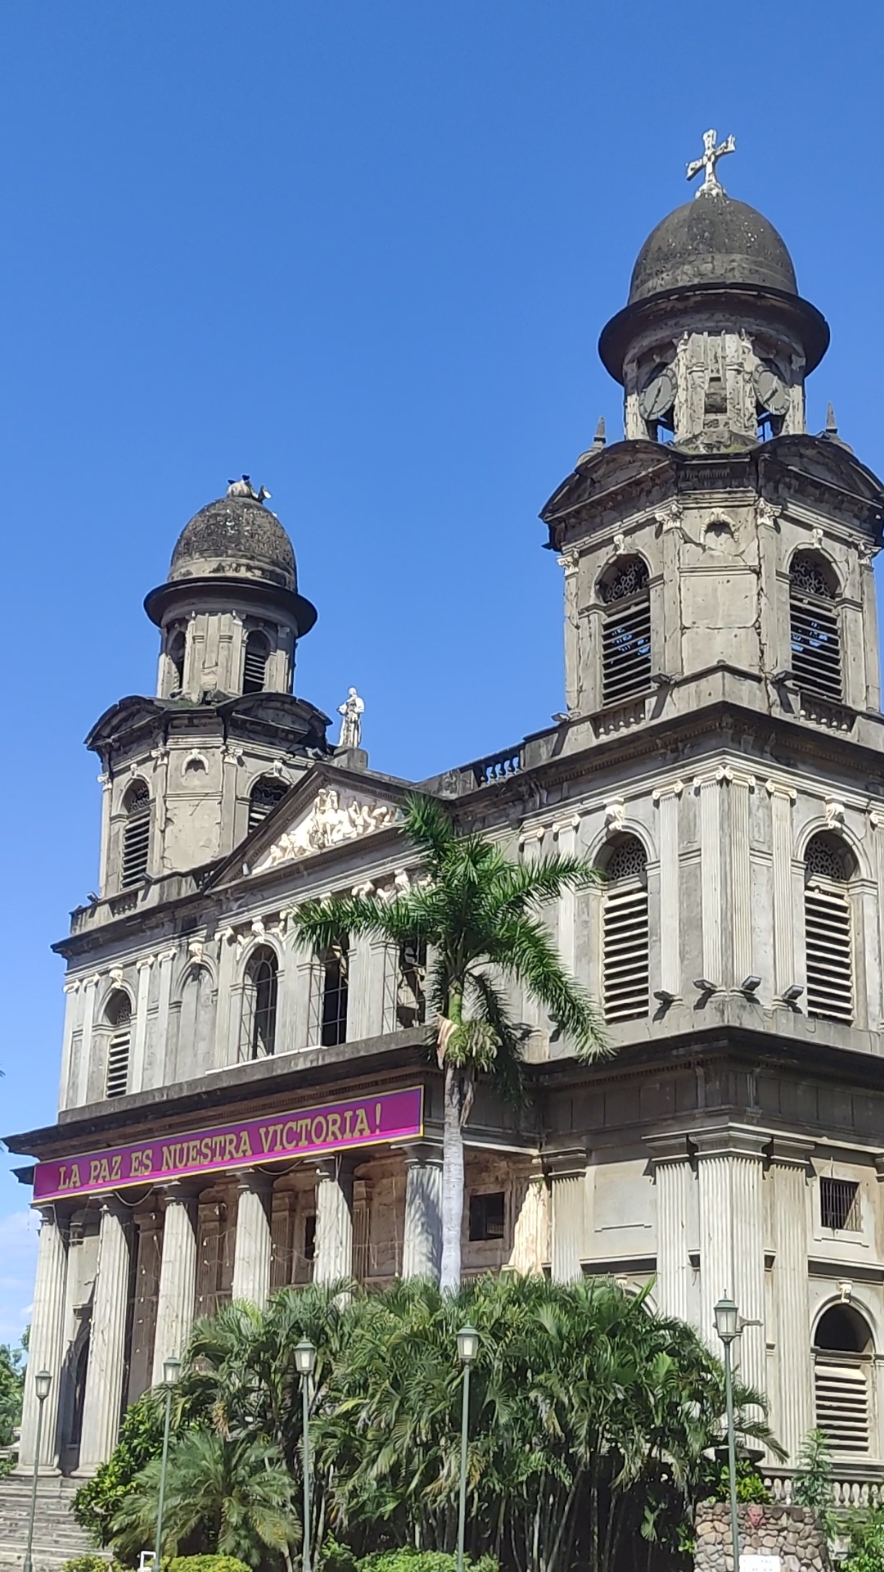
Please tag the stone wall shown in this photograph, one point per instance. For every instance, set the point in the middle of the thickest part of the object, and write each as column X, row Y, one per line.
column 791, row 1533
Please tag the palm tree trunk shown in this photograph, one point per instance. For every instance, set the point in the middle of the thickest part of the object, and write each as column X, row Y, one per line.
column 452, row 1179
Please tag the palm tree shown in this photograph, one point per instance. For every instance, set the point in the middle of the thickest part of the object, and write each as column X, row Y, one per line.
column 477, row 916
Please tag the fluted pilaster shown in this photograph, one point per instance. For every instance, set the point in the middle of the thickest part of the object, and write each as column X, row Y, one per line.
column 674, row 1178
column 422, row 1243
column 252, row 1247
column 334, row 1220
column 792, row 1417
column 568, row 1216
column 729, row 1170
column 107, row 1340
column 177, row 1291
column 45, row 1350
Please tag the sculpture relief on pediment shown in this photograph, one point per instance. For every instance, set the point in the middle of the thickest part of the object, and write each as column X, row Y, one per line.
column 334, row 818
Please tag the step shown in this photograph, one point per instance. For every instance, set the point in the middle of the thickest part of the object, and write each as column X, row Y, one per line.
column 57, row 1536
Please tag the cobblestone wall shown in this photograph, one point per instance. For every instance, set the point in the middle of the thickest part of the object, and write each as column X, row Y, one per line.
column 792, row 1533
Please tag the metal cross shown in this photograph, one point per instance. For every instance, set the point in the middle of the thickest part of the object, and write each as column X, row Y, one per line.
column 711, row 155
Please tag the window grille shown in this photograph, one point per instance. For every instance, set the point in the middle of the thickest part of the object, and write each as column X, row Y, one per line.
column 828, row 930
column 176, row 660
column 625, row 972
column 333, row 1028
column 258, row 1040
column 119, row 1016
column 839, row 1204
column 487, row 1213
column 136, row 834
column 815, row 629
column 405, row 974
column 841, row 1390
column 254, row 668
column 626, row 632
column 266, row 793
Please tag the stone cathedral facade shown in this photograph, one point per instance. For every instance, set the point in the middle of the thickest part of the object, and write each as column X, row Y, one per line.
column 234, row 1115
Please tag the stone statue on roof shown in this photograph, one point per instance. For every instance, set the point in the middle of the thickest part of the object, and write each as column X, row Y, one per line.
column 352, row 711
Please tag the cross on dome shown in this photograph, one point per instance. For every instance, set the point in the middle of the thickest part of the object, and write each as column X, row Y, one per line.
column 711, row 155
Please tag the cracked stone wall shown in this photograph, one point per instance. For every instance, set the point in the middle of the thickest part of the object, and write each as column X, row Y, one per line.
column 790, row 1533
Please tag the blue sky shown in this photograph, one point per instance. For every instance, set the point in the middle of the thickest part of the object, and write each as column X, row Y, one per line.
column 362, row 251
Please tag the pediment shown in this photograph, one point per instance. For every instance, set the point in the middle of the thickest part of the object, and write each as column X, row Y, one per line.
column 606, row 470
column 830, row 463
column 338, row 813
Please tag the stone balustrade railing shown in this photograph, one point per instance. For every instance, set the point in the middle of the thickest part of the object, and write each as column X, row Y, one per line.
column 846, row 1493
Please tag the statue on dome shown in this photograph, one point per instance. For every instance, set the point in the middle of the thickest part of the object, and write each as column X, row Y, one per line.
column 244, row 488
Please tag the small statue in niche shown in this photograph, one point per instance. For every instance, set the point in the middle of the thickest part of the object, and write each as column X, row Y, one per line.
column 352, row 711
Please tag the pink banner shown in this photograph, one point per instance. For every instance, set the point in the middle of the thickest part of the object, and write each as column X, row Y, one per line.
column 331, row 1127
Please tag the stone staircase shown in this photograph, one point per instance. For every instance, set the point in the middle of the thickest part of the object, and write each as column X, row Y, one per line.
column 56, row 1535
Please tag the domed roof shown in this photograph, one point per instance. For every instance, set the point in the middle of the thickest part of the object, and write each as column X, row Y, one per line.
column 712, row 240
column 235, row 537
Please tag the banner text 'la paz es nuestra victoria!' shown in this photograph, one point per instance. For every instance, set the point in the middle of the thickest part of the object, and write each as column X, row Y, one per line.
column 364, row 1121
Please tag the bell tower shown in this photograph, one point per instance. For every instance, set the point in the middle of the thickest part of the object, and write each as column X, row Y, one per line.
column 188, row 773
column 719, row 553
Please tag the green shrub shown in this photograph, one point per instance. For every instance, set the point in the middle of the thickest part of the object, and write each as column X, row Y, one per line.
column 91, row 1564
column 866, row 1553
column 141, row 1438
column 406, row 1560
column 206, row 1564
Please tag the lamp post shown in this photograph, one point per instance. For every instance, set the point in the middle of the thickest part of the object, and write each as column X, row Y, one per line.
column 171, row 1372
column 727, row 1325
column 42, row 1383
column 305, row 1364
column 467, row 1349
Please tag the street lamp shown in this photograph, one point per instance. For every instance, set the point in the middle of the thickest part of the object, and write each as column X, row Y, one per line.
column 727, row 1325
column 467, row 1349
column 171, row 1372
column 42, row 1383
column 305, row 1364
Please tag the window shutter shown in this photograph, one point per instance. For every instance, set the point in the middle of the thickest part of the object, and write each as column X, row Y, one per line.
column 117, row 1074
column 626, row 631
column 829, row 941
column 254, row 663
column 266, row 793
column 842, row 1403
column 136, row 834
column 625, row 989
column 815, row 629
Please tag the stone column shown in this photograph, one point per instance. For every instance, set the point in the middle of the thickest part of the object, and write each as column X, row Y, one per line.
column 872, row 694
column 103, row 1403
column 89, row 986
column 422, row 1243
column 667, row 655
column 163, row 1066
column 741, row 875
column 365, row 998
column 530, row 1251
column 673, row 1177
column 252, row 1247
column 570, row 561
column 177, row 1290
column 788, row 1173
column 107, row 787
column 568, row 1208
column 708, row 788
column 565, row 833
column 334, row 1220
column 786, row 964
column 71, row 1012
column 139, row 1036
column 45, row 1352
column 729, row 1170
column 667, row 799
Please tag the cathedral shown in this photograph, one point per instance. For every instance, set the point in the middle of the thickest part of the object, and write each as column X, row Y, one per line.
column 235, row 1114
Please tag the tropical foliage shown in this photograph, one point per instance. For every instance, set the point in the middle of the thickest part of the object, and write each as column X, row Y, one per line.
column 477, row 916
column 12, row 1380
column 591, row 1421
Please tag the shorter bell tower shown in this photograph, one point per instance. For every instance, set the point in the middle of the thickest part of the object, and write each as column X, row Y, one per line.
column 188, row 773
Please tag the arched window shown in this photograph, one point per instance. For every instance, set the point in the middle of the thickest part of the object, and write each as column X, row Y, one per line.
column 828, row 927
column 175, row 652
column 136, row 833
column 118, row 1016
column 842, row 1359
column 333, row 1028
column 258, row 1039
column 254, row 668
column 626, row 629
column 815, row 630
column 267, row 791
column 625, row 977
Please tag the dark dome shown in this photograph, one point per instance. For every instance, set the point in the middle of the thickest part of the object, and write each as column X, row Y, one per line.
column 235, row 537
column 712, row 240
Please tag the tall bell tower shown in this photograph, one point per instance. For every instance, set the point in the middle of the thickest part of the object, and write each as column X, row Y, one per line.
column 187, row 773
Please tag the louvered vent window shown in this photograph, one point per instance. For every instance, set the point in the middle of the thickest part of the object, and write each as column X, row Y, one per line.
column 816, row 636
column 266, row 793
column 839, row 1203
column 119, row 1017
column 842, row 1362
column 255, row 663
column 828, row 926
column 626, row 631
column 259, row 1005
column 333, row 1028
column 625, row 979
column 136, row 834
